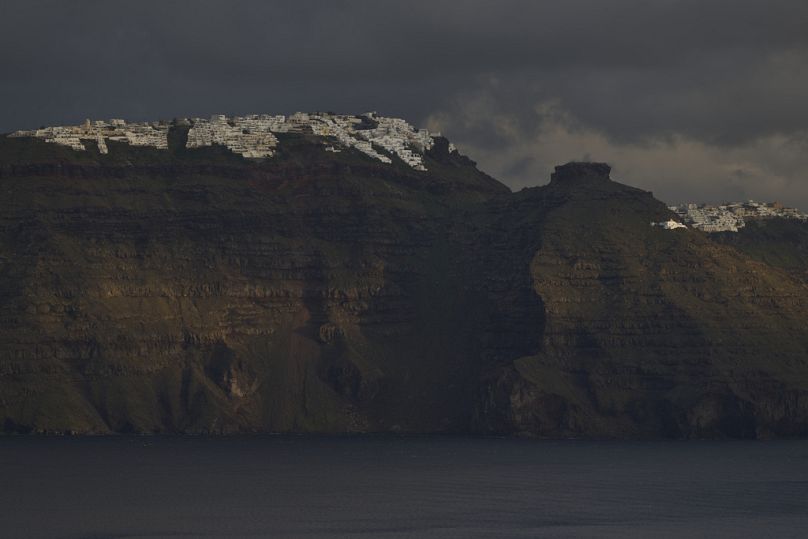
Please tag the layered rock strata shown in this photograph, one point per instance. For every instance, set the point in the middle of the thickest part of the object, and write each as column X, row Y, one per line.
column 191, row 290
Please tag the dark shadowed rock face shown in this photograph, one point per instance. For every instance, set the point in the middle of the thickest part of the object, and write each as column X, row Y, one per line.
column 648, row 332
column 315, row 292
column 203, row 293
column 581, row 171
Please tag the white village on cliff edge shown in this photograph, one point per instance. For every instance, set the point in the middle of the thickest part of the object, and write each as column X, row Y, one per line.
column 253, row 136
column 729, row 217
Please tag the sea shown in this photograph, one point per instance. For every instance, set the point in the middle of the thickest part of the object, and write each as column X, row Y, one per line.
column 399, row 487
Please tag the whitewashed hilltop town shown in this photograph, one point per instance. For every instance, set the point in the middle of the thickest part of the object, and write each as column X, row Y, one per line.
column 379, row 137
column 254, row 136
column 731, row 217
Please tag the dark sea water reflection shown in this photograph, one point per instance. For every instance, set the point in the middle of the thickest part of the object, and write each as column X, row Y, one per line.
column 391, row 487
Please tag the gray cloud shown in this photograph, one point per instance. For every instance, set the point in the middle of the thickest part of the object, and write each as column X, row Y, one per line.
column 713, row 91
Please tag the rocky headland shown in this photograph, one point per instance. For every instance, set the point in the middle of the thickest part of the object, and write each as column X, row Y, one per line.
column 191, row 288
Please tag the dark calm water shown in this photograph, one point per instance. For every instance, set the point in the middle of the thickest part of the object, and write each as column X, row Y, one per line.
column 319, row 487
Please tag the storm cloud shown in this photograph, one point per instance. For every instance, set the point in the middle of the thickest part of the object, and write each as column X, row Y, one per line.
column 695, row 100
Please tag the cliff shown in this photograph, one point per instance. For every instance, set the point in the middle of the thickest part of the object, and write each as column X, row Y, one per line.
column 648, row 332
column 192, row 290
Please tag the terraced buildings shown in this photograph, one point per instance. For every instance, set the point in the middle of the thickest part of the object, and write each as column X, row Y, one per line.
column 137, row 134
column 733, row 216
column 254, row 136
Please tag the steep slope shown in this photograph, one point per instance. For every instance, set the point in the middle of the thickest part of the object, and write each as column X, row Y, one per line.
column 782, row 243
column 196, row 291
column 647, row 331
column 193, row 290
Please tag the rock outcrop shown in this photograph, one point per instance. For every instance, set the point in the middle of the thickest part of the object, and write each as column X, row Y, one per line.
column 580, row 172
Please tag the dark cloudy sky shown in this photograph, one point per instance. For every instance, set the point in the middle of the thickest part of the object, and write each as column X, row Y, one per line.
column 693, row 99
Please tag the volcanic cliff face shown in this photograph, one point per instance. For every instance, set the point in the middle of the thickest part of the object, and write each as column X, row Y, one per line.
column 202, row 292
column 648, row 331
column 197, row 291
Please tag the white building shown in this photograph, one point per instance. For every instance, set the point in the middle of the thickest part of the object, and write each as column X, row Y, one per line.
column 670, row 224
column 733, row 216
column 254, row 136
